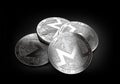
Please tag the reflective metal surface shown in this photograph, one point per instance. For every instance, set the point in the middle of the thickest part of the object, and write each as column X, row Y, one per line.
column 48, row 27
column 83, row 29
column 30, row 51
column 69, row 53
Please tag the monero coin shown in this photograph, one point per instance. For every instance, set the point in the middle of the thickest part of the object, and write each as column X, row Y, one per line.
column 30, row 51
column 83, row 29
column 48, row 27
column 70, row 53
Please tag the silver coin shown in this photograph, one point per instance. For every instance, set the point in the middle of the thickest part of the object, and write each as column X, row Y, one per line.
column 30, row 51
column 48, row 27
column 83, row 29
column 70, row 53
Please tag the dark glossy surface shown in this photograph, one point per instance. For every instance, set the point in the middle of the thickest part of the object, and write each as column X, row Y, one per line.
column 30, row 51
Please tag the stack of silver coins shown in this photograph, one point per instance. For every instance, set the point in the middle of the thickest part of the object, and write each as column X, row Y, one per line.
column 67, row 45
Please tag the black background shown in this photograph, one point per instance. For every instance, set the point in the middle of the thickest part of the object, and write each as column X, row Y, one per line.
column 20, row 20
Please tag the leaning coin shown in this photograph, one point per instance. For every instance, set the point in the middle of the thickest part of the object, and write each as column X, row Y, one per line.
column 30, row 51
column 70, row 53
column 83, row 29
column 48, row 27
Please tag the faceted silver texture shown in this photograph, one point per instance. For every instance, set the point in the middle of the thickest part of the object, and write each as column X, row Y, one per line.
column 30, row 51
column 48, row 27
column 69, row 53
column 70, row 49
column 83, row 29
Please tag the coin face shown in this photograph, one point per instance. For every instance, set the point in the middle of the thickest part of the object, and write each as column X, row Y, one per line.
column 30, row 51
column 69, row 53
column 48, row 27
column 83, row 29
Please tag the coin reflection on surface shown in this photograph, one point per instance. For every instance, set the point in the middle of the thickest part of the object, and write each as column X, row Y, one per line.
column 48, row 27
column 70, row 53
column 30, row 51
column 83, row 29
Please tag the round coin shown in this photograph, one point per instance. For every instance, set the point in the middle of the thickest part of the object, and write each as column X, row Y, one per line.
column 70, row 53
column 48, row 27
column 30, row 51
column 83, row 29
